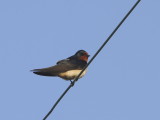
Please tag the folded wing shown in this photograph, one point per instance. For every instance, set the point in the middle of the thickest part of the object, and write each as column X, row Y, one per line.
column 62, row 66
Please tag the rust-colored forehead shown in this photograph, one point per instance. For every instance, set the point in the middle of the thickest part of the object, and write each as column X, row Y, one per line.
column 85, row 53
column 84, row 58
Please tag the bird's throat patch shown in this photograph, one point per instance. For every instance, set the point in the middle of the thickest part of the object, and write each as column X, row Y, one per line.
column 84, row 58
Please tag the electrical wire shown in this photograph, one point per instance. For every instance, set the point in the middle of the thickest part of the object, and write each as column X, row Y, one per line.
column 72, row 83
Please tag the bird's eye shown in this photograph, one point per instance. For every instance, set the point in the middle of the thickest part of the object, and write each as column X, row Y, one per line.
column 81, row 54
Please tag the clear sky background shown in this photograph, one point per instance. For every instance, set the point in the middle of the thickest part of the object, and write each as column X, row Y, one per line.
column 122, row 83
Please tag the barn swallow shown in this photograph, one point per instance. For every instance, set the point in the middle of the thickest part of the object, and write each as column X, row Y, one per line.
column 67, row 69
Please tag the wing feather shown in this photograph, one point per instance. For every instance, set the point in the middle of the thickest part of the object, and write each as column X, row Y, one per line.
column 62, row 66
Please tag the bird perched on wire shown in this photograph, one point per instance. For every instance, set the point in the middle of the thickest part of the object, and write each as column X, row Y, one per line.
column 67, row 69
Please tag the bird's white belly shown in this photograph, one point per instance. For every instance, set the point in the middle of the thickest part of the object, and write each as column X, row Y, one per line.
column 71, row 74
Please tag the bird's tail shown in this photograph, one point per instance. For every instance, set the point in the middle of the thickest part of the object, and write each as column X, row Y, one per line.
column 43, row 72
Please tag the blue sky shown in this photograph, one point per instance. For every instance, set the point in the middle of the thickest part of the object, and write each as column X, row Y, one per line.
column 122, row 83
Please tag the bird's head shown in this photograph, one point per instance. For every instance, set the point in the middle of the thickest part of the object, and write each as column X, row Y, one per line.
column 82, row 55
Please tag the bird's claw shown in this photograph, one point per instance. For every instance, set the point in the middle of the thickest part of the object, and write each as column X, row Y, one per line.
column 72, row 83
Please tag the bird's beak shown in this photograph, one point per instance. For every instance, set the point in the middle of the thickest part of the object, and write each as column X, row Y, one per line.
column 87, row 55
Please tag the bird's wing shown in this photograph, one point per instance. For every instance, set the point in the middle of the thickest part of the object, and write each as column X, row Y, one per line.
column 62, row 66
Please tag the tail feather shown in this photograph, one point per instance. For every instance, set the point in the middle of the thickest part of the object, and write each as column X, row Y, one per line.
column 43, row 72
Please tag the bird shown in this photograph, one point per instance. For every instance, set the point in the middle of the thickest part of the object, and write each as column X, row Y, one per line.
column 67, row 69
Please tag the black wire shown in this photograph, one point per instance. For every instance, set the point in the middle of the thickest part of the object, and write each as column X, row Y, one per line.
column 57, row 101
column 72, row 83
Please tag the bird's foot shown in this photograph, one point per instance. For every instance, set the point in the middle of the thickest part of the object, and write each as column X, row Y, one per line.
column 72, row 82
